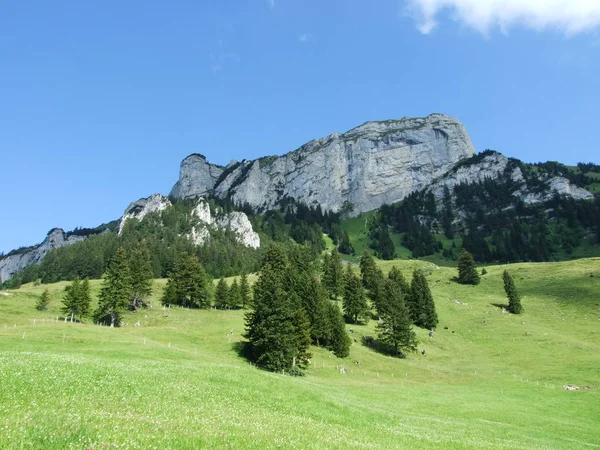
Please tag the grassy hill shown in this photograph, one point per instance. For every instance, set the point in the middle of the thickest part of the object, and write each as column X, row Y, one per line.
column 487, row 379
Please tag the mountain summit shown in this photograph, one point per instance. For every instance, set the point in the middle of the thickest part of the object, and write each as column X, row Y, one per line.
column 373, row 164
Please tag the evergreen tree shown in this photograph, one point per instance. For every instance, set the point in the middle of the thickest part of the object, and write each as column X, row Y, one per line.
column 85, row 298
column 235, row 295
column 277, row 328
column 466, row 269
column 514, row 300
column 316, row 307
column 396, row 276
column 244, row 290
column 140, row 267
column 222, row 295
column 368, row 271
column 333, row 274
column 345, row 246
column 354, row 301
column 421, row 306
column 187, row 285
column 385, row 248
column 339, row 342
column 43, row 301
column 115, row 293
column 394, row 328
column 72, row 298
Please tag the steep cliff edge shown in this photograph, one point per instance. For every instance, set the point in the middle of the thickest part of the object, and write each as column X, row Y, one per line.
column 370, row 165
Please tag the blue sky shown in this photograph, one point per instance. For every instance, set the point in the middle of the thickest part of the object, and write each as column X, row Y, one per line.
column 100, row 101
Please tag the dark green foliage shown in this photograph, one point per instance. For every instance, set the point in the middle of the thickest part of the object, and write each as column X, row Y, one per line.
column 345, row 246
column 354, row 302
column 421, row 305
column 43, row 302
column 222, row 295
column 380, row 240
column 368, row 271
column 141, row 273
column 115, row 293
column 76, row 300
column 333, row 274
column 277, row 327
column 235, row 295
column 514, row 300
column 188, row 284
column 394, row 328
column 339, row 341
column 483, row 271
column 466, row 269
column 244, row 290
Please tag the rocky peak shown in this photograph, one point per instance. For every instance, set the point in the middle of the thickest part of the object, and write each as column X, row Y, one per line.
column 142, row 207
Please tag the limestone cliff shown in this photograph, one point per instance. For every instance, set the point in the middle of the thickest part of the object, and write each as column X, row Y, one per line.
column 373, row 164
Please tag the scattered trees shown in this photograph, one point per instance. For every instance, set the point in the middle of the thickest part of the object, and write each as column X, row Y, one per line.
column 140, row 268
column 43, row 302
column 467, row 274
column 422, row 307
column 394, row 328
column 76, row 300
column 116, row 292
column 514, row 300
column 222, row 295
column 235, row 295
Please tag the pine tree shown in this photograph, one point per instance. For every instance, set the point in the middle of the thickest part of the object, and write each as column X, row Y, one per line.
column 339, row 341
column 466, row 269
column 354, row 302
column 385, row 248
column 244, row 290
column 85, row 298
column 115, row 293
column 140, row 266
column 235, row 295
column 514, row 300
column 316, row 307
column 43, row 301
column 345, row 245
column 396, row 276
column 277, row 327
column 394, row 328
column 421, row 306
column 333, row 274
column 71, row 299
column 368, row 271
column 187, row 285
column 222, row 295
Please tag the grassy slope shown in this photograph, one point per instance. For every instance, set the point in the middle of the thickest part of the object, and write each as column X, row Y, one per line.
column 490, row 380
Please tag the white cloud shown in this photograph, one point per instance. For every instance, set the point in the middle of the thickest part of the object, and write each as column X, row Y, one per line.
column 569, row 16
column 271, row 3
column 304, row 37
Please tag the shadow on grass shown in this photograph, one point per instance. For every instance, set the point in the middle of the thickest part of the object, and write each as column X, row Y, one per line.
column 242, row 349
column 380, row 347
column 499, row 305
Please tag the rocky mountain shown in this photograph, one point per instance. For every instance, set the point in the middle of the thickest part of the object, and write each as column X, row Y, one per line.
column 19, row 259
column 366, row 167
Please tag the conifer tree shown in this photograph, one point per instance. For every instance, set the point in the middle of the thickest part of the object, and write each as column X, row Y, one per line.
column 244, row 290
column 222, row 294
column 396, row 276
column 85, row 298
column 187, row 284
column 394, row 328
column 421, row 305
column 354, row 302
column 71, row 299
column 140, row 266
column 467, row 274
column 333, row 274
column 368, row 271
column 339, row 341
column 316, row 307
column 43, row 302
column 345, row 244
column 235, row 295
column 514, row 300
column 385, row 247
column 277, row 327
column 115, row 293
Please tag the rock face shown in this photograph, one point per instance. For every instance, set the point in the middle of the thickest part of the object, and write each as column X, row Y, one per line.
column 237, row 222
column 492, row 166
column 373, row 164
column 56, row 238
column 141, row 208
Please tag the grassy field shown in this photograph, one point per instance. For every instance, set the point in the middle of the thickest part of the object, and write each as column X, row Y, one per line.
column 487, row 380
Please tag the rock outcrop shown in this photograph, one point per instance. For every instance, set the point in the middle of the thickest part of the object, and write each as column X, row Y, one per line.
column 494, row 165
column 373, row 164
column 12, row 263
column 141, row 208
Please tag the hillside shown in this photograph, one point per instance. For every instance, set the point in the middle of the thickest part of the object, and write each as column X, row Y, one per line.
column 487, row 380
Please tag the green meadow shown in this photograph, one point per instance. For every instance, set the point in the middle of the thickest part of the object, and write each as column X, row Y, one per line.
column 488, row 379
